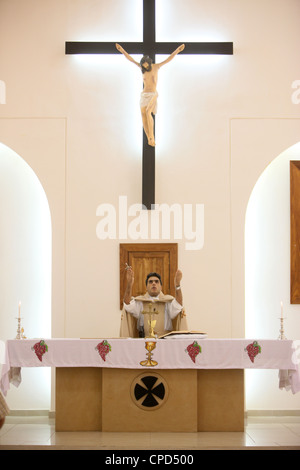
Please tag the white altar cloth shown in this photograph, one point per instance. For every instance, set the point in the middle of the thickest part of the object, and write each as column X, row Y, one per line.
column 187, row 353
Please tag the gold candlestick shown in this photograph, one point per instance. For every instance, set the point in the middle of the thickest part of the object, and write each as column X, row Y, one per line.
column 19, row 328
column 20, row 331
column 281, row 331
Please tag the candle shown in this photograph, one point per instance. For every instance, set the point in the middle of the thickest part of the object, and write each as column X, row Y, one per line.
column 281, row 303
column 19, row 309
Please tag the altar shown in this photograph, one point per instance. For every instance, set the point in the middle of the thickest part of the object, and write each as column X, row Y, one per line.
column 176, row 385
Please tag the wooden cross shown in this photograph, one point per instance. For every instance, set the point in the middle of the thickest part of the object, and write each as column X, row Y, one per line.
column 149, row 47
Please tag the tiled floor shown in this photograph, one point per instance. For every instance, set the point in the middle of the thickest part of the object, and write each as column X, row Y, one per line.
column 260, row 433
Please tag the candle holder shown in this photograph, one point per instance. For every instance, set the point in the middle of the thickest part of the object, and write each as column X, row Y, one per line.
column 281, row 331
column 20, row 330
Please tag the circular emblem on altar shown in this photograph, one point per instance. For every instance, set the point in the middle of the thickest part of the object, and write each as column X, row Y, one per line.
column 149, row 391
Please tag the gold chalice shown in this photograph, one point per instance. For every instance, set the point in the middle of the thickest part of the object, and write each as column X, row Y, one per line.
column 149, row 345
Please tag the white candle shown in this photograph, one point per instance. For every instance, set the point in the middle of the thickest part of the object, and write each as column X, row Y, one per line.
column 19, row 309
column 281, row 303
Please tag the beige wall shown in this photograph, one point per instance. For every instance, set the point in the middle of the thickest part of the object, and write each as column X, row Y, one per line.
column 220, row 121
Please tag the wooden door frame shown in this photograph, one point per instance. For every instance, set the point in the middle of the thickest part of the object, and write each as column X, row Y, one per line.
column 295, row 231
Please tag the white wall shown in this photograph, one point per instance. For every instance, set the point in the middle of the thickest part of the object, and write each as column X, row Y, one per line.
column 25, row 275
column 267, row 251
column 267, row 276
column 220, row 121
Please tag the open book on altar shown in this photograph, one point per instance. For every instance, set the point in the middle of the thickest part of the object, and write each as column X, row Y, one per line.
column 183, row 334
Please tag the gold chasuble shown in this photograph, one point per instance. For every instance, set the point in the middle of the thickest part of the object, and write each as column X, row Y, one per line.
column 129, row 322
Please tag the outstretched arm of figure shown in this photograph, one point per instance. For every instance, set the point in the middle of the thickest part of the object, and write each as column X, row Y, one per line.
column 179, row 49
column 120, row 49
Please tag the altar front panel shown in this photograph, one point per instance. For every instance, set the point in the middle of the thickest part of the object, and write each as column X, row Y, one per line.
column 220, row 400
column 78, row 399
column 185, row 400
column 172, row 410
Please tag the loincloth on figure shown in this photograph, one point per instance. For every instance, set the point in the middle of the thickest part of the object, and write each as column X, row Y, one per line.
column 146, row 97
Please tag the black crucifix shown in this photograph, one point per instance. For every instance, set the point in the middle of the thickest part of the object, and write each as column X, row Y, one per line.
column 149, row 47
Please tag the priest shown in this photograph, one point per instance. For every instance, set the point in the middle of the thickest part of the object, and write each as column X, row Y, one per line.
column 169, row 312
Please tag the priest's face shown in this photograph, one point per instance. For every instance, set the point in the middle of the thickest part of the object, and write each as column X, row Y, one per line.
column 153, row 286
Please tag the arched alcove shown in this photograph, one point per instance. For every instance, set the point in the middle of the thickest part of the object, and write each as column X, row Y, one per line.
column 25, row 274
column 267, row 275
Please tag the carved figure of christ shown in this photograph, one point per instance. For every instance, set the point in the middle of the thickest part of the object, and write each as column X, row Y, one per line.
column 149, row 94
